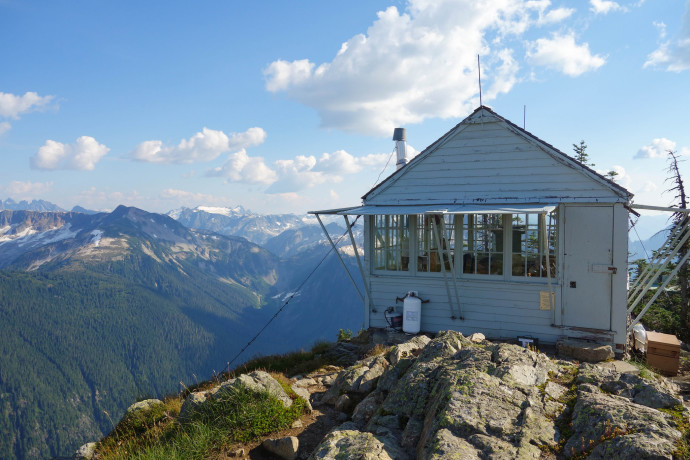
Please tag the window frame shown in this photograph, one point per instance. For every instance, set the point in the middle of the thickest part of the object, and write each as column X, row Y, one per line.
column 459, row 250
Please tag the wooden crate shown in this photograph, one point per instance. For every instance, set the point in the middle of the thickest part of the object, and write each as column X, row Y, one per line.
column 663, row 352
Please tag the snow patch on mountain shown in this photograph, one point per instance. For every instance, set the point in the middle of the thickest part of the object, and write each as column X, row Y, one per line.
column 97, row 235
column 236, row 211
column 30, row 235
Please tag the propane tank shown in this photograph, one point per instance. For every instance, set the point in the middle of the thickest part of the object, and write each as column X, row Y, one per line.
column 412, row 314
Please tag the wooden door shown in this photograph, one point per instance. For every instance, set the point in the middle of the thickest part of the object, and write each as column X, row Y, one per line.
column 588, row 252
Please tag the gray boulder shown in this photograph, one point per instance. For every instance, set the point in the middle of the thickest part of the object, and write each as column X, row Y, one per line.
column 86, row 452
column 285, row 448
column 302, row 393
column 591, row 353
column 348, row 442
column 145, row 404
column 190, row 405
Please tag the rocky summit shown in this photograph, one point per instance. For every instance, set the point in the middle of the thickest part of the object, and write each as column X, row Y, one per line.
column 451, row 398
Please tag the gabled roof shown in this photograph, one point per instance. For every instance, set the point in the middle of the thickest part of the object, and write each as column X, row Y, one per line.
column 485, row 114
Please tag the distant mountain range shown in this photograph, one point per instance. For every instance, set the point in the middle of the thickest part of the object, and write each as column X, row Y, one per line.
column 99, row 309
column 34, row 205
column 37, row 205
column 283, row 234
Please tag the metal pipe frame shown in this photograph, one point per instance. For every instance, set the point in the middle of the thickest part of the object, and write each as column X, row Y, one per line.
column 659, row 291
column 670, row 257
column 443, row 264
column 323, row 227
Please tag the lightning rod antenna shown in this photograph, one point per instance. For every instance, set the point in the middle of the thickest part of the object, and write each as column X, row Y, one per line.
column 479, row 72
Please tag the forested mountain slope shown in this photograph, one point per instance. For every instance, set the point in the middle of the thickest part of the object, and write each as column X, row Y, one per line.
column 99, row 310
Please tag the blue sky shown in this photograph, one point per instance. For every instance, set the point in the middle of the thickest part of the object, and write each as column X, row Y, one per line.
column 290, row 106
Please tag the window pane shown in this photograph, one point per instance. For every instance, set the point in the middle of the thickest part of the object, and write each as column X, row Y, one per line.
column 392, row 243
column 528, row 255
column 430, row 231
column 482, row 244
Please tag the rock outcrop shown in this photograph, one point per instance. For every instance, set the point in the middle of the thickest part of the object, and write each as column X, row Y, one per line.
column 452, row 397
column 257, row 381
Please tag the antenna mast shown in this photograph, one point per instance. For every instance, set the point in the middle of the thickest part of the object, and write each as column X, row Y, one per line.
column 479, row 71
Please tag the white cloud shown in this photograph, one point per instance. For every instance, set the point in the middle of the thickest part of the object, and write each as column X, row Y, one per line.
column 605, row 6
column 413, row 65
column 339, row 162
column 4, row 127
column 555, row 15
column 299, row 173
column 82, row 155
column 240, row 167
column 561, row 53
column 673, row 54
column 661, row 26
column 204, row 146
column 622, row 178
column 11, row 105
column 28, row 189
column 659, row 148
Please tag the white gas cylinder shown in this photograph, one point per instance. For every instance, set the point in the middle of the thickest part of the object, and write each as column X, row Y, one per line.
column 412, row 314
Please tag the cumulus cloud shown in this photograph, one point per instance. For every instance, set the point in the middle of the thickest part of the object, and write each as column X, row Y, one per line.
column 415, row 64
column 82, row 155
column 605, row 6
column 555, row 15
column 659, row 148
column 240, row 167
column 339, row 162
column 28, row 189
column 563, row 54
column 11, row 105
column 299, row 173
column 674, row 54
column 203, row 146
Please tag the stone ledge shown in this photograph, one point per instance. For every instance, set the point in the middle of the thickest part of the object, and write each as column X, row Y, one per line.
column 583, row 351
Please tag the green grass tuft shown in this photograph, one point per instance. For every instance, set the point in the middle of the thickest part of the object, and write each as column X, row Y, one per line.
column 238, row 416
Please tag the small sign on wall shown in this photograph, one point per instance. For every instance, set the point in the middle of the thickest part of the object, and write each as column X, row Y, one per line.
column 544, row 303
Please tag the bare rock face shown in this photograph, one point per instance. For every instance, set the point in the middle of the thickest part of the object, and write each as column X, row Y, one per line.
column 407, row 349
column 454, row 398
column 609, row 426
column 361, row 379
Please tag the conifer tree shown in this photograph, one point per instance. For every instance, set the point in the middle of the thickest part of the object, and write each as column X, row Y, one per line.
column 581, row 153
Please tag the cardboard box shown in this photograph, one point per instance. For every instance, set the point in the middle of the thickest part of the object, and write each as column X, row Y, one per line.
column 663, row 352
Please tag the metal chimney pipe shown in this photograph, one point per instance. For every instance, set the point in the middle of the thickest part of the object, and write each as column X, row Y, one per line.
column 400, row 147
